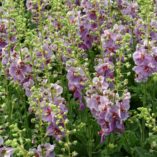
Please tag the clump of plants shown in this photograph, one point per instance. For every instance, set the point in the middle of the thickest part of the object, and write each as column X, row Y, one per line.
column 78, row 78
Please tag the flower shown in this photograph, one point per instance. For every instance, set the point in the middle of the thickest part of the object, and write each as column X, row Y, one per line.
column 6, row 151
column 145, row 63
column 76, row 80
column 88, row 19
column 52, row 106
column 18, row 70
column 105, row 68
column 44, row 150
column 55, row 131
column 109, row 109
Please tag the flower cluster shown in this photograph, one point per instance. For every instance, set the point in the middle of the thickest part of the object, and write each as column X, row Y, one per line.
column 111, row 39
column 44, row 150
column 146, row 49
column 146, row 62
column 76, row 81
column 48, row 103
column 107, row 106
column 44, row 55
column 17, row 69
column 146, row 36
column 106, row 102
column 128, row 8
column 37, row 9
column 89, row 21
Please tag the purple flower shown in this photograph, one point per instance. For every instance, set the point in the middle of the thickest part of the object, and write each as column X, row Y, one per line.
column 76, row 80
column 129, row 8
column 18, row 70
column 2, row 45
column 27, row 84
column 105, row 68
column 54, row 130
column 145, row 61
column 111, row 39
column 143, row 71
column 109, row 109
column 45, row 54
column 48, row 115
column 141, row 57
column 6, row 151
column 88, row 19
column 77, row 2
column 58, row 89
column 52, row 105
column 92, row 15
column 139, row 30
column 44, row 150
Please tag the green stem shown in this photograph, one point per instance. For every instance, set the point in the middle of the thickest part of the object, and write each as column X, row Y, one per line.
column 40, row 124
column 67, row 141
column 127, row 143
column 143, row 121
